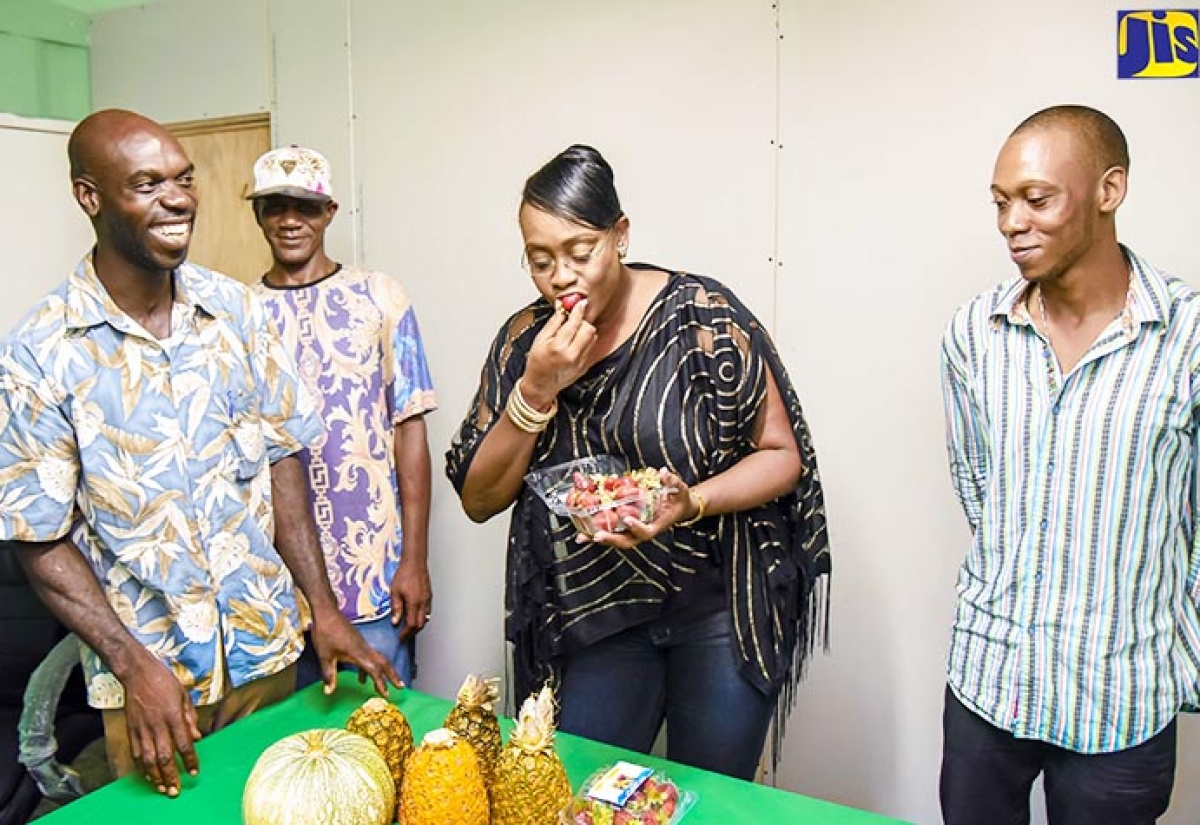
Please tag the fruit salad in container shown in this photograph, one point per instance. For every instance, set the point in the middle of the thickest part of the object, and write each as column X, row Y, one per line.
column 597, row 492
column 627, row 794
column 602, row 501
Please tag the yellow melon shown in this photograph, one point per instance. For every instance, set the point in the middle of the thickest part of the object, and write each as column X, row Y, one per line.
column 325, row 776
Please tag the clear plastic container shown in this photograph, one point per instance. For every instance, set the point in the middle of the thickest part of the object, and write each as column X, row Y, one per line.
column 553, row 483
column 599, row 493
column 654, row 800
column 610, row 516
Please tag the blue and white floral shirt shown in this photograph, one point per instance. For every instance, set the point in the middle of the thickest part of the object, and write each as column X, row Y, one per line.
column 155, row 456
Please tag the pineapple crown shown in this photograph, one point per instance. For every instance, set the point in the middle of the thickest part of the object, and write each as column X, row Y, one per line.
column 477, row 692
column 376, row 708
column 534, row 732
column 439, row 738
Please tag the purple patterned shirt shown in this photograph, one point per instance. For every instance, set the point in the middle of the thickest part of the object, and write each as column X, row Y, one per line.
column 355, row 338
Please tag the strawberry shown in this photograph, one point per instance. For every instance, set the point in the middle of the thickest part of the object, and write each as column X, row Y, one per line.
column 632, row 511
column 582, row 481
column 672, row 796
column 605, row 520
column 658, row 798
column 582, row 499
column 569, row 300
column 627, row 488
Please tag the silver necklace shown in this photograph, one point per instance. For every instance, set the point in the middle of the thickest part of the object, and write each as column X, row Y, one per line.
column 1045, row 320
column 1126, row 313
column 1051, row 355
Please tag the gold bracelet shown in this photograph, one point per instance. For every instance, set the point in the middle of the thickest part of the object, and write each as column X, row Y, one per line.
column 519, row 421
column 701, row 505
column 528, row 410
column 524, row 416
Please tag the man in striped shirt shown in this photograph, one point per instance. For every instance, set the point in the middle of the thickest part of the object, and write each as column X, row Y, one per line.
column 1072, row 397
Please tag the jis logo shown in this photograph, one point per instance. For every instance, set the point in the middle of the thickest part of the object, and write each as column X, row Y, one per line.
column 1158, row 43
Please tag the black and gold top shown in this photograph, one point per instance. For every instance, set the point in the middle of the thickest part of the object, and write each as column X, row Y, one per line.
column 682, row 392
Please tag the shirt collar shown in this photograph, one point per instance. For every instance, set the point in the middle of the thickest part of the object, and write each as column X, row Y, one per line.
column 89, row 304
column 1148, row 293
column 1148, row 289
column 1008, row 303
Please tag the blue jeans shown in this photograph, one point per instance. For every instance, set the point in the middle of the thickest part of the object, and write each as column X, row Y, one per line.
column 621, row 689
column 379, row 634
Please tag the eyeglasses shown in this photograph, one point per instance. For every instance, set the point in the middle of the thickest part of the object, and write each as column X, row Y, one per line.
column 544, row 265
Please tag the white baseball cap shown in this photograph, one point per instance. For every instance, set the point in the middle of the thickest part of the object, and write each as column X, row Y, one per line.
column 292, row 171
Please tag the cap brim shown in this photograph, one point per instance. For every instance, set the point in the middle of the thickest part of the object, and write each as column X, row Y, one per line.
column 289, row 192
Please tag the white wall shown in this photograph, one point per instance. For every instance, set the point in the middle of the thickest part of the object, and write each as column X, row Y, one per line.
column 42, row 230
column 313, row 106
column 887, row 118
column 177, row 60
column 892, row 115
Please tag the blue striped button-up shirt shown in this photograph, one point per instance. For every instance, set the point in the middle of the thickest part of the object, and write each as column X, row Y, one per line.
column 1078, row 615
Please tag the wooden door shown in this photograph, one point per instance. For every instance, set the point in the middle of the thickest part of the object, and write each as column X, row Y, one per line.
column 226, row 238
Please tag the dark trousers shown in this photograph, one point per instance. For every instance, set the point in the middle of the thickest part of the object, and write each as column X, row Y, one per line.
column 987, row 774
column 621, row 689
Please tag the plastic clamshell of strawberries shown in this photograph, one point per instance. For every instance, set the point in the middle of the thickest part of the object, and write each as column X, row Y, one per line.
column 552, row 484
column 659, row 801
column 609, row 517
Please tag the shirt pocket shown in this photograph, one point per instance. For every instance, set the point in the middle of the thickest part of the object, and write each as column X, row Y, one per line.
column 246, row 434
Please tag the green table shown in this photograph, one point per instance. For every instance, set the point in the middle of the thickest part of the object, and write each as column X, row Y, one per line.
column 215, row 796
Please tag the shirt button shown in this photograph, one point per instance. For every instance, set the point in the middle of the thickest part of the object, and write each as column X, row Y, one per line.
column 1038, row 577
column 1050, row 466
column 1045, row 524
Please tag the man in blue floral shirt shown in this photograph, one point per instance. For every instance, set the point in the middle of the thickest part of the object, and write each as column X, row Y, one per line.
column 149, row 418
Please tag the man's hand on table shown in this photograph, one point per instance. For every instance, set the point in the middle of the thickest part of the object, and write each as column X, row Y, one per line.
column 161, row 722
column 336, row 640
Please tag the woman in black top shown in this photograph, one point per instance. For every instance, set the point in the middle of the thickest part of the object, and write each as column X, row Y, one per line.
column 702, row 615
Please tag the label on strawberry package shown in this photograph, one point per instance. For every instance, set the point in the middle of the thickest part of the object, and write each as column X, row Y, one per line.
column 619, row 782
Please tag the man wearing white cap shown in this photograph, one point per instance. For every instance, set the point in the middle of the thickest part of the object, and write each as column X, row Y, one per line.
column 355, row 337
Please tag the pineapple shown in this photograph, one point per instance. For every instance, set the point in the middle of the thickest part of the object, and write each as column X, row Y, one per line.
column 474, row 720
column 442, row 783
column 531, row 786
column 385, row 725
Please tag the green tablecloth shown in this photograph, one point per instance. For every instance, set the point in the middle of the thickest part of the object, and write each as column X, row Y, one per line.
column 215, row 796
